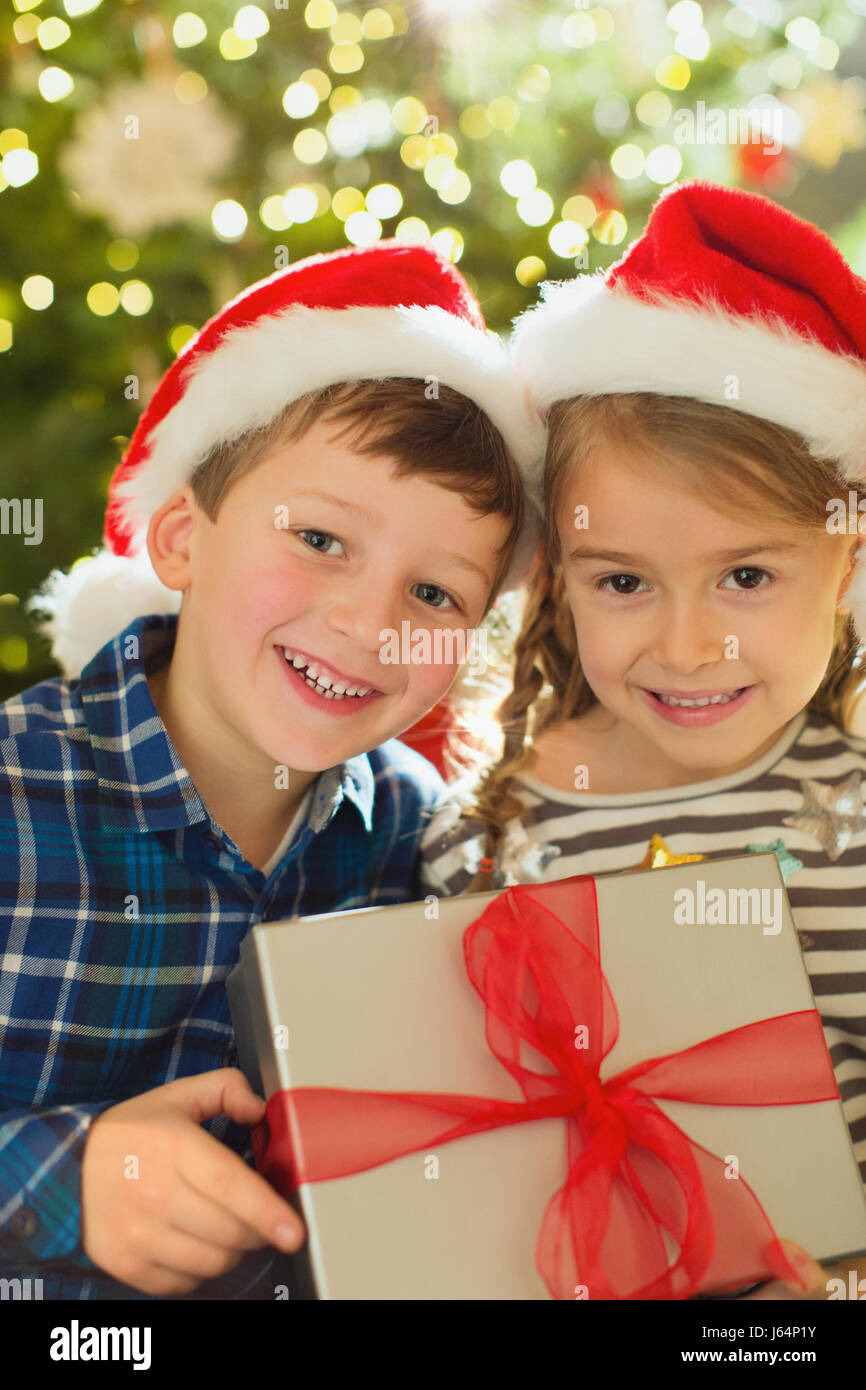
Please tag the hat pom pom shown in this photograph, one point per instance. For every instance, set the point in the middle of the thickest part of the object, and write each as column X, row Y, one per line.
column 100, row 596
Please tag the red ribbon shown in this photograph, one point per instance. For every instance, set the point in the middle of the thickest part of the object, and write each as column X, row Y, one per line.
column 645, row 1212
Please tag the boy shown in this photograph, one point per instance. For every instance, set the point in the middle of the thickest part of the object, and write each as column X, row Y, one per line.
column 330, row 458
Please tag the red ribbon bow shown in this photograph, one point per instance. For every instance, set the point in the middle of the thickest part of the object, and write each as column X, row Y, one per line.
column 645, row 1212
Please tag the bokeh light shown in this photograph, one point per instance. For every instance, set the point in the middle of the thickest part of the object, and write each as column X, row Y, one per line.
column 189, row 88
column 272, row 212
column 310, row 146
column 300, row 99
column 685, row 15
column 229, row 220
column 19, row 167
column 518, row 177
column 409, row 115
column 362, row 228
column 610, row 227
column 251, row 22
column 535, row 208
column 448, row 241
column 188, row 30
column 37, row 291
column 664, row 164
column 530, row 270
column 234, row 48
column 320, row 14
column 55, row 84
column 377, row 24
column 578, row 30
column 52, row 33
column 567, row 238
column 384, row 200
column 301, row 203
column 413, row 230
column 627, row 161
column 180, row 335
column 102, row 298
column 122, row 254
column 136, row 297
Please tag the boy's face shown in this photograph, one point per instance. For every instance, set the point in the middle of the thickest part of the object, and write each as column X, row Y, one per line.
column 318, row 555
column 674, row 601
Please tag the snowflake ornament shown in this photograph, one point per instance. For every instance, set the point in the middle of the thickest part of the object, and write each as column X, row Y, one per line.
column 142, row 159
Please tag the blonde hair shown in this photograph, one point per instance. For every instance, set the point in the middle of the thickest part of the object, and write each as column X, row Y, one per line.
column 726, row 457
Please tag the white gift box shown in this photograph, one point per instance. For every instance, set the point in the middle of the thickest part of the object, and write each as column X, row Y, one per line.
column 379, row 1000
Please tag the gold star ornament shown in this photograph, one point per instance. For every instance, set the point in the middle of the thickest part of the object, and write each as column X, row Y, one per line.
column 659, row 855
column 831, row 815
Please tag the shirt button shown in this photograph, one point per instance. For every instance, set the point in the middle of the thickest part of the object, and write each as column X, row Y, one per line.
column 229, row 1057
column 23, row 1223
column 213, row 841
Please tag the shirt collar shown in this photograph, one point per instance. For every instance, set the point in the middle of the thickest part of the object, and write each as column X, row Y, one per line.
column 141, row 781
column 352, row 780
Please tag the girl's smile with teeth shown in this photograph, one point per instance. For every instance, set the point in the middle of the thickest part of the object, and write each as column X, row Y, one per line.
column 696, row 701
column 698, row 710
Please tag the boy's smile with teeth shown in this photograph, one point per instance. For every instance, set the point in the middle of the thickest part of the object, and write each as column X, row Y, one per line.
column 324, row 679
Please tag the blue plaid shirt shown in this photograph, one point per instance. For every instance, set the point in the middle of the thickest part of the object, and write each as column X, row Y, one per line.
column 122, row 908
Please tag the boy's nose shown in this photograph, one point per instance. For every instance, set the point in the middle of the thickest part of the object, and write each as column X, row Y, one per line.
column 363, row 613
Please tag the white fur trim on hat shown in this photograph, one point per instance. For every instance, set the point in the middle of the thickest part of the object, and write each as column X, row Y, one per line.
column 95, row 601
column 587, row 339
column 254, row 372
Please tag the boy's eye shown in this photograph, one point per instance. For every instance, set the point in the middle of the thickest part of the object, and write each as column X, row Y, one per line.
column 319, row 540
column 432, row 594
column 620, row 584
column 748, row 577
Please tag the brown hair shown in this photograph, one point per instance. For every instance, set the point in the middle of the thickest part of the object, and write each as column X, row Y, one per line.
column 448, row 439
column 727, row 457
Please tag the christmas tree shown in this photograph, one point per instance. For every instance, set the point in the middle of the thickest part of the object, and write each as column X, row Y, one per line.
column 155, row 160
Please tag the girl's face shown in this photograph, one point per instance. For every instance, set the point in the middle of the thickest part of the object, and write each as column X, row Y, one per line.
column 701, row 634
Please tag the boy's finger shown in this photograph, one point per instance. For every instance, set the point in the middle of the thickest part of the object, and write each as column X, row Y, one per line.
column 810, row 1275
column 223, row 1091
column 180, row 1253
column 201, row 1216
column 218, row 1173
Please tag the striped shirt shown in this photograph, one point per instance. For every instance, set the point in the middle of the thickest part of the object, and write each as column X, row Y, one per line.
column 122, row 908
column 566, row 833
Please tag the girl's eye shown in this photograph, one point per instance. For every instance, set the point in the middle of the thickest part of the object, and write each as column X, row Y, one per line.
column 432, row 595
column 620, row 584
column 320, row 540
column 748, row 577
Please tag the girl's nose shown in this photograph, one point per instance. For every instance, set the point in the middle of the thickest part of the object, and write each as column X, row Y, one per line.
column 687, row 638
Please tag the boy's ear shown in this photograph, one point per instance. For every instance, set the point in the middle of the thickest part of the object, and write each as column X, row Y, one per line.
column 169, row 533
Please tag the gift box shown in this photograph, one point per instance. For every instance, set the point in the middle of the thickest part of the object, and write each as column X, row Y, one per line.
column 611, row 1087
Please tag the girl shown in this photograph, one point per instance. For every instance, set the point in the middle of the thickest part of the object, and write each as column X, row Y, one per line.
column 688, row 657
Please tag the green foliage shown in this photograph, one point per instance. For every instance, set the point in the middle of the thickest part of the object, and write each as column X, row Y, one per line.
column 65, row 416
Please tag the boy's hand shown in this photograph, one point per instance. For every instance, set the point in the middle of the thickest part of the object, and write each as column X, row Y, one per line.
column 814, row 1277
column 194, row 1207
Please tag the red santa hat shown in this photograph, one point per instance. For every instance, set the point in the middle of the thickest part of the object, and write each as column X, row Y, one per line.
column 726, row 298
column 362, row 313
